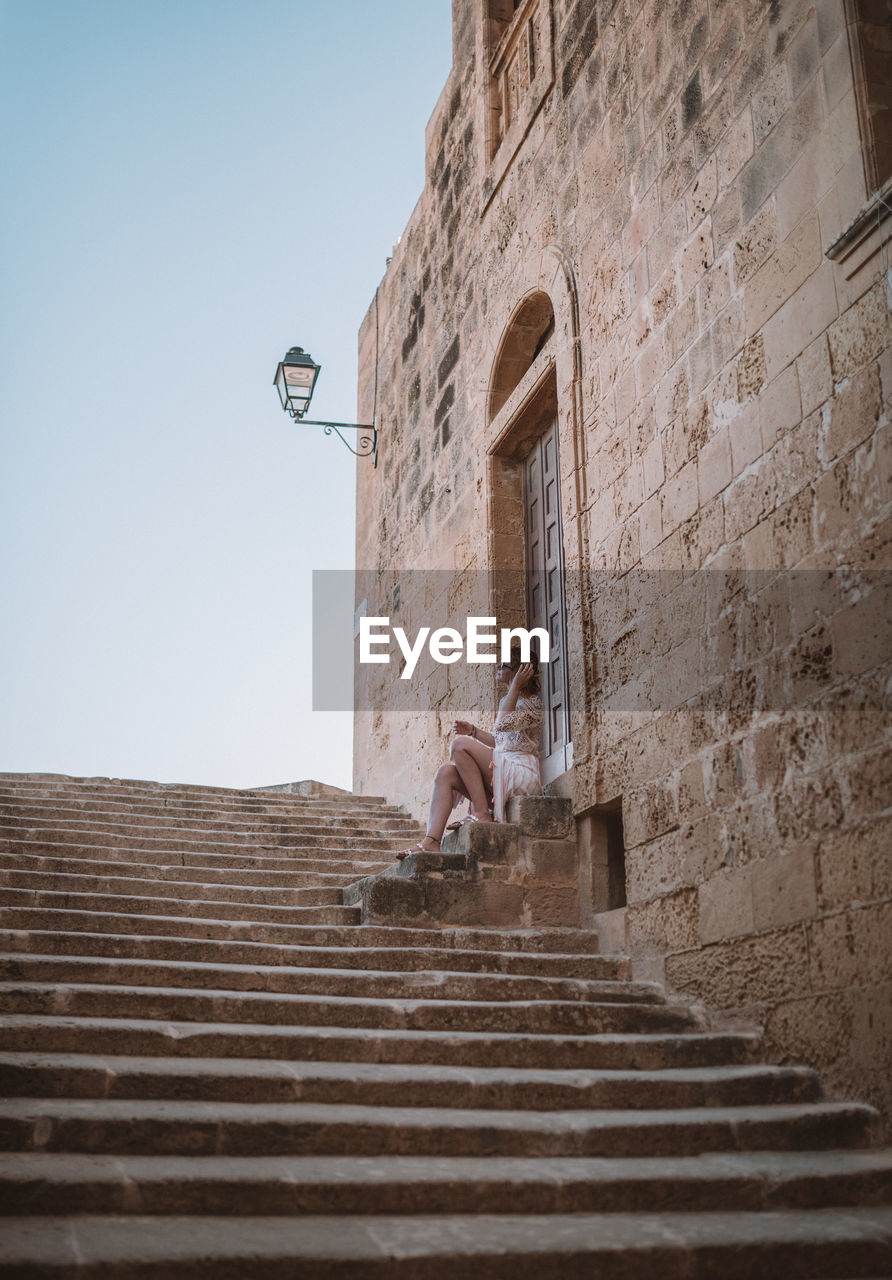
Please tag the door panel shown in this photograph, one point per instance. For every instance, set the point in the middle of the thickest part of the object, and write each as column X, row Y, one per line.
column 545, row 580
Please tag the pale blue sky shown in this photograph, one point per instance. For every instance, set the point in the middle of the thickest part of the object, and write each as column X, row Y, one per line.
column 191, row 188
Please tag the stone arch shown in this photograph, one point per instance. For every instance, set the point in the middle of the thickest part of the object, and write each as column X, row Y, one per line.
column 549, row 272
column 526, row 333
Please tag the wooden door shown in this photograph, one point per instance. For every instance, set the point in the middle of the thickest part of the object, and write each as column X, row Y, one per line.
column 546, row 605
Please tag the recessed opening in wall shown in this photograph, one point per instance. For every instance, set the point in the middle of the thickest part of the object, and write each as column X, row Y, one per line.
column 616, row 856
column 525, row 337
column 602, row 845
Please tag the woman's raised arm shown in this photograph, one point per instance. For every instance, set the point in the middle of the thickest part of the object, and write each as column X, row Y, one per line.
column 509, row 702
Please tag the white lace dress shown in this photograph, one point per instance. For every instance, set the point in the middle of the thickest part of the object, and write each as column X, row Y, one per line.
column 516, row 753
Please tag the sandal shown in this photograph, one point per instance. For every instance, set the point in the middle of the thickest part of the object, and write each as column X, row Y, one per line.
column 419, row 848
column 470, row 817
column 462, row 822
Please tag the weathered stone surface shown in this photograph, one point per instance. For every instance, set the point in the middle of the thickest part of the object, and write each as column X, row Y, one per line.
column 862, row 633
column 785, row 271
column 650, row 812
column 783, row 890
column 746, row 972
column 817, row 1028
column 550, row 818
column 815, row 375
column 751, row 369
column 551, row 905
column 490, row 841
column 667, row 923
column 550, row 860
column 726, row 905
column 854, row 866
column 860, row 334
column 853, row 415
column 655, row 869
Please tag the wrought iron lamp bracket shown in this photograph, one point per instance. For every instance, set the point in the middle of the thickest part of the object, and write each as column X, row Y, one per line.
column 367, row 446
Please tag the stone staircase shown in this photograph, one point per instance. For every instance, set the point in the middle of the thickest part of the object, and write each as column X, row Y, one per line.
column 211, row 1068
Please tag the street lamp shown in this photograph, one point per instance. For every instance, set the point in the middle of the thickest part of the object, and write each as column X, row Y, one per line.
column 295, row 379
column 295, row 382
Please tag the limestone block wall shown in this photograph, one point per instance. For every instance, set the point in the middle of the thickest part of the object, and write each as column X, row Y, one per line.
column 684, row 181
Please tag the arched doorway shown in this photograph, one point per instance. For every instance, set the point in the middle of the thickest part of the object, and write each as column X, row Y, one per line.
column 526, row 511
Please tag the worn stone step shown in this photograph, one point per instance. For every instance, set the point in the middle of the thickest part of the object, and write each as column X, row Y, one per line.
column 300, row 877
column 113, row 814
column 406, row 958
column 186, row 890
column 817, row 1244
column 151, row 832
column 82, row 787
column 546, row 1017
column 229, row 821
column 536, row 941
column 32, row 1183
column 152, row 1038
column 225, row 809
column 386, row 1084
column 168, row 1127
column 196, row 840
column 391, row 984
column 304, row 861
column 137, row 905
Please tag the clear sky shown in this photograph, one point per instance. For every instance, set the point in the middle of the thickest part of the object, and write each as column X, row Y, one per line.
column 190, row 188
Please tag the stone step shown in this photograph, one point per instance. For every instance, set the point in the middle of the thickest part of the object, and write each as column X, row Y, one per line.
column 134, row 1126
column 302, row 862
column 67, row 918
column 138, row 906
column 534, row 941
column 391, row 984
column 154, row 835
column 198, row 951
column 206, row 797
column 109, row 814
column 546, row 1017
column 386, row 1084
column 80, row 784
column 196, row 840
column 231, row 824
column 760, row 1181
column 312, row 895
column 141, row 871
column 232, row 805
column 169, row 1038
column 797, row 1244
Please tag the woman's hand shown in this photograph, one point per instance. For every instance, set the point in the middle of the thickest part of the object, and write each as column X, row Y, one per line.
column 522, row 676
column 463, row 727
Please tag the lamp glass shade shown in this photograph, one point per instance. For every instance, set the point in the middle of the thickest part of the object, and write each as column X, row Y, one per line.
column 295, row 380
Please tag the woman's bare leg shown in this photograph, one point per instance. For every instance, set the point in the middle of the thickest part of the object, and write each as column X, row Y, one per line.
column 472, row 759
column 471, row 775
column 446, row 781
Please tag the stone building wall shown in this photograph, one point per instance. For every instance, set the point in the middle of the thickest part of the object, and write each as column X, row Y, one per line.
column 684, row 185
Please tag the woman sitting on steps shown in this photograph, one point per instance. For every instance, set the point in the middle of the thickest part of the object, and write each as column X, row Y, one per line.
column 489, row 768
